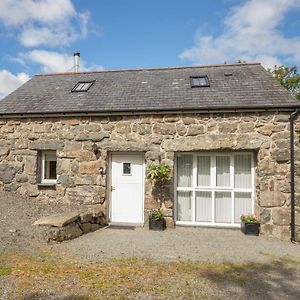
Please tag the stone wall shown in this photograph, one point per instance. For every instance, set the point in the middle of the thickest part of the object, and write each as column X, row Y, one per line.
column 83, row 174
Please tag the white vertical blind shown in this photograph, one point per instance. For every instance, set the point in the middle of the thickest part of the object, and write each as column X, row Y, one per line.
column 242, row 171
column 215, row 188
column 223, row 170
column 223, row 207
column 242, row 205
column 203, row 171
column 184, row 170
column 203, row 206
column 184, row 204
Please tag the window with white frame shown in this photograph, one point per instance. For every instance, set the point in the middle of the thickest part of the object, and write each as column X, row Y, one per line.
column 214, row 188
column 48, row 167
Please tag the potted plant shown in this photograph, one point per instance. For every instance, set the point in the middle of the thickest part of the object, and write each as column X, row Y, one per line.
column 250, row 224
column 156, row 220
column 159, row 173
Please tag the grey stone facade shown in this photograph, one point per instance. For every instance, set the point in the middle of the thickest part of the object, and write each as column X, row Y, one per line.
column 83, row 174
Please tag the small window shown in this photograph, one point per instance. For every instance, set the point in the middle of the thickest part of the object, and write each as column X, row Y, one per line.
column 126, row 168
column 82, row 86
column 48, row 167
column 199, row 81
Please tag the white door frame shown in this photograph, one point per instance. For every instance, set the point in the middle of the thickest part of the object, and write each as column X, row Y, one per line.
column 109, row 181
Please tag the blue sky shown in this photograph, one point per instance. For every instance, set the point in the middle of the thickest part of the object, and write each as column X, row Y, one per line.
column 40, row 35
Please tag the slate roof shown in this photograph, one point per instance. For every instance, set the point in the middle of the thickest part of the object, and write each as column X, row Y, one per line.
column 249, row 86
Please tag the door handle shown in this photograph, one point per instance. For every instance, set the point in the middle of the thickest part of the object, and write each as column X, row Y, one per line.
column 112, row 188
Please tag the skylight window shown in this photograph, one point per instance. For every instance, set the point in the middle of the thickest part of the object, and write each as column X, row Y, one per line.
column 82, row 86
column 199, row 81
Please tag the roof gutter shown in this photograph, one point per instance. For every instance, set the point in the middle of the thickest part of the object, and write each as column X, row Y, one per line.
column 147, row 112
column 293, row 117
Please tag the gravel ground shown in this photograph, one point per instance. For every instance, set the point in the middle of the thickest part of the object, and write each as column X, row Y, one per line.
column 215, row 245
column 17, row 215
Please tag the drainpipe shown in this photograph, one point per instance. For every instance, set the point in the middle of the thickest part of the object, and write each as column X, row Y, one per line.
column 293, row 117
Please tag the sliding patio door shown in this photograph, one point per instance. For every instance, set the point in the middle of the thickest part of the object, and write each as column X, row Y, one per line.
column 214, row 189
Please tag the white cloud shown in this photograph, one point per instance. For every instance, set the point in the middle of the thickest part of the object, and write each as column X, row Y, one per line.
column 9, row 82
column 44, row 22
column 251, row 33
column 51, row 61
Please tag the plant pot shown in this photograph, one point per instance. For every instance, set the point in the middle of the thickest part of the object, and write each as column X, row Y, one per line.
column 250, row 228
column 157, row 224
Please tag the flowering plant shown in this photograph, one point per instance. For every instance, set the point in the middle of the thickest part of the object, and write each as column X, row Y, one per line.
column 155, row 214
column 250, row 218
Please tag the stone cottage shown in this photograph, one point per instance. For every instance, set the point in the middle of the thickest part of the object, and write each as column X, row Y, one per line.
column 224, row 130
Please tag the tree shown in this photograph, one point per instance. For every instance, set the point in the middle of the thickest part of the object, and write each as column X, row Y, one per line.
column 289, row 78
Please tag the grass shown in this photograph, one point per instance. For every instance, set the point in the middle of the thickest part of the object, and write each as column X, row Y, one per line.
column 5, row 271
column 124, row 278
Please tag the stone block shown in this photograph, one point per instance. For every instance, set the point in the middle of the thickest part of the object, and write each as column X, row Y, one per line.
column 265, row 215
column 8, row 171
column 21, row 178
column 225, row 127
column 280, row 155
column 30, row 167
column 246, row 127
column 169, row 223
column 46, row 145
column 85, row 194
column 69, row 232
column 90, row 167
column 181, row 129
column 196, row 129
column 269, row 198
column 59, row 220
column 281, row 216
column 86, row 217
column 65, row 180
column 188, row 120
column 143, row 129
column 95, row 137
column 89, row 227
column 282, row 117
column 164, row 129
column 96, row 211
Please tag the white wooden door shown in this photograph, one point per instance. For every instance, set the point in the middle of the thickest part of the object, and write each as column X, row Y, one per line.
column 127, row 188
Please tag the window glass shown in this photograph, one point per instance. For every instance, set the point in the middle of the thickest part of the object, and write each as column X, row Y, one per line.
column 184, row 170
column 242, row 171
column 242, row 205
column 184, row 206
column 126, row 168
column 203, row 171
column 223, row 170
column 50, row 166
column 203, row 207
column 223, row 205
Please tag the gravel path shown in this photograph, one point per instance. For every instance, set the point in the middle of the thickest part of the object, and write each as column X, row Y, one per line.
column 217, row 245
column 18, row 213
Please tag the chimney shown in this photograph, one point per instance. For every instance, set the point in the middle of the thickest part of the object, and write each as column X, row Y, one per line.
column 76, row 61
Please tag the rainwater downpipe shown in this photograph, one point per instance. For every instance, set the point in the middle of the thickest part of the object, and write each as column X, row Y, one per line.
column 293, row 117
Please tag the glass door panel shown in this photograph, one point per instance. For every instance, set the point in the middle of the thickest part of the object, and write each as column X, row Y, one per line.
column 242, row 205
column 223, row 207
column 203, row 171
column 223, row 170
column 184, row 206
column 203, row 207
column 184, row 170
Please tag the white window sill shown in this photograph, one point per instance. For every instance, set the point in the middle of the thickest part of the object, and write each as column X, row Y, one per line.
column 47, row 183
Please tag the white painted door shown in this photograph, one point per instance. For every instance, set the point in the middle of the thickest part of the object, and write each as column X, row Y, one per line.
column 127, row 188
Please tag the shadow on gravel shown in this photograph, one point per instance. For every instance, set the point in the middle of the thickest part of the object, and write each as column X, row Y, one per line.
column 41, row 296
column 276, row 280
